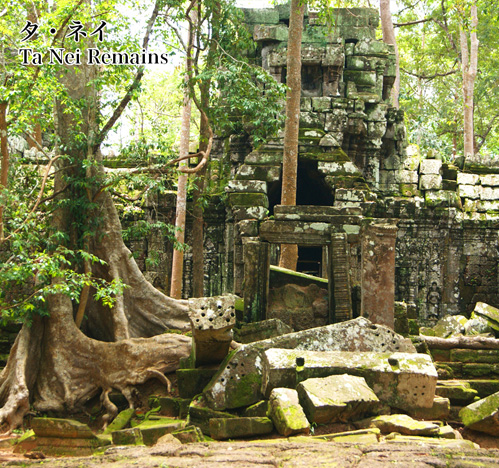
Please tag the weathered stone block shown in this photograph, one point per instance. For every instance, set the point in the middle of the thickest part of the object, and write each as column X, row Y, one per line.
column 251, row 332
column 439, row 411
column 321, row 103
column 360, row 78
column 190, row 434
column 458, row 392
column 449, row 171
column 362, row 436
column 249, row 212
column 221, row 429
column 329, row 140
column 371, row 48
column 265, row 173
column 131, row 436
column 449, row 185
column 469, row 191
column 66, row 428
column 491, row 180
column 409, row 190
column 400, row 380
column 152, row 430
column 487, row 205
column 246, row 186
column 336, row 398
column 401, row 423
column 258, row 410
column 490, row 356
column 489, row 313
column 264, row 158
column 260, row 15
column 408, row 177
column 430, row 166
column 200, row 415
column 212, row 320
column 489, row 193
column 248, row 199
column 265, row 33
column 121, row 421
column 430, row 182
column 170, row 406
column 483, row 415
column 442, row 198
column 339, row 168
column 467, row 179
column 286, row 412
column 238, row 382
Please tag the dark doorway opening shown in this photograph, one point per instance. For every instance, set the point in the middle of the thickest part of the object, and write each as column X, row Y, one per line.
column 310, row 260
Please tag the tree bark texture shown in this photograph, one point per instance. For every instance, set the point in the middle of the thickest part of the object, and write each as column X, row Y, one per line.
column 4, row 150
column 185, row 133
column 289, row 252
column 469, row 59
column 389, row 38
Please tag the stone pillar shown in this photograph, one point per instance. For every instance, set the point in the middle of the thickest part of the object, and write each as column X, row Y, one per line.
column 378, row 273
column 340, row 294
column 256, row 279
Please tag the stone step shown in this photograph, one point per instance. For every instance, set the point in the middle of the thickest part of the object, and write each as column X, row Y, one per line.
column 487, row 356
column 466, row 370
column 483, row 387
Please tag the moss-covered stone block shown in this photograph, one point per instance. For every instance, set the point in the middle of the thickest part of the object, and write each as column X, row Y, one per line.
column 264, row 158
column 121, row 421
column 65, row 428
column 221, row 429
column 170, row 406
column 248, row 199
column 490, row 356
column 409, row 190
column 458, row 392
column 191, row 382
column 360, row 78
column 286, row 412
column 272, row 33
column 260, row 15
column 200, row 415
column 188, row 435
column 401, row 423
column 132, row 436
column 258, row 410
column 152, row 430
column 264, row 173
column 483, row 415
column 479, row 370
column 439, row 411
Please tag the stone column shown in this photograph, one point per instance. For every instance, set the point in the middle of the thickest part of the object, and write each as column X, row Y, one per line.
column 378, row 273
column 256, row 279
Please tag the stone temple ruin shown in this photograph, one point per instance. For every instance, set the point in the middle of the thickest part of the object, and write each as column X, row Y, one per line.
column 389, row 241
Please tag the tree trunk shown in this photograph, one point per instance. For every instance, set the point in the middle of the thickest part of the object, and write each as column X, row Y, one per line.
column 389, row 38
column 469, row 57
column 289, row 252
column 4, row 151
column 185, row 133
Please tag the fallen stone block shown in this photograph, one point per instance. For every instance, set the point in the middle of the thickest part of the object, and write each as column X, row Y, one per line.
column 200, row 415
column 223, row 428
column 483, row 415
column 439, row 411
column 489, row 313
column 258, row 410
column 337, row 398
column 400, row 380
column 121, row 421
column 64, row 428
column 188, row 435
column 212, row 320
column 459, row 392
column 401, row 423
column 152, row 430
column 286, row 412
column 131, row 436
column 171, row 407
column 263, row 330
column 238, row 381
column 446, row 432
column 64, row 446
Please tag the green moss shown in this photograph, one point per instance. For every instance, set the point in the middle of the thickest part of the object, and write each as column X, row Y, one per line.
column 243, row 393
column 248, row 199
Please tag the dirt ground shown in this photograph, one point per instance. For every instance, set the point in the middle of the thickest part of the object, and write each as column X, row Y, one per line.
column 276, row 453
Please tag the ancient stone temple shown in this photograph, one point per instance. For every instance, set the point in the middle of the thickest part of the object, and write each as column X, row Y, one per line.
column 376, row 222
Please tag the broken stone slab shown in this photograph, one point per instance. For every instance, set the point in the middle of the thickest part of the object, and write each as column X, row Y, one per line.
column 439, row 411
column 400, row 380
column 286, row 412
column 222, row 428
column 238, row 381
column 152, row 430
column 170, row 406
column 337, row 398
column 65, row 428
column 212, row 320
column 258, row 410
column 62, row 446
column 482, row 415
column 447, row 327
column 257, row 331
column 447, row 432
column 131, row 436
column 191, row 382
column 489, row 313
column 401, row 423
column 120, row 421
column 477, row 325
column 459, row 392
column 188, row 435
column 200, row 415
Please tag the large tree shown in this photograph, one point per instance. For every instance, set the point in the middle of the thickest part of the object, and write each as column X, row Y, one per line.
column 54, row 365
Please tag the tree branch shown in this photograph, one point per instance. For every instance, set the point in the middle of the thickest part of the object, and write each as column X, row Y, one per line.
column 128, row 96
column 411, row 23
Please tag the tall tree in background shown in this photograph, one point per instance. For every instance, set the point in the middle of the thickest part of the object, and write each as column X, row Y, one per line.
column 389, row 38
column 469, row 65
column 289, row 252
